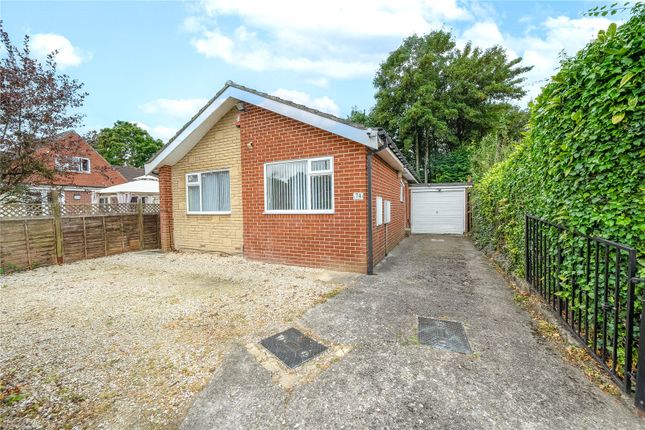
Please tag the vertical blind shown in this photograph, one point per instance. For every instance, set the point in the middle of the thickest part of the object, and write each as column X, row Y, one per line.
column 299, row 185
column 209, row 192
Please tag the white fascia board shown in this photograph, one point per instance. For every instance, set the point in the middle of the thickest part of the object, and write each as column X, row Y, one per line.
column 222, row 104
column 431, row 187
column 189, row 137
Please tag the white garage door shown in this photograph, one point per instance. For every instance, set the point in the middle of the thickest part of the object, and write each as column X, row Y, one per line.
column 438, row 211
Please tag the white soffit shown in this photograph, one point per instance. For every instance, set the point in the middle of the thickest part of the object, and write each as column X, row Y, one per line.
column 217, row 108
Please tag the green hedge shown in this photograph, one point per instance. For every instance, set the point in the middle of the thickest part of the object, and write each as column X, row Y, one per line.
column 582, row 163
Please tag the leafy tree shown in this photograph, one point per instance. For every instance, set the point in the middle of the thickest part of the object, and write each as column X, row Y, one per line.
column 435, row 98
column 36, row 104
column 359, row 117
column 497, row 145
column 453, row 166
column 125, row 144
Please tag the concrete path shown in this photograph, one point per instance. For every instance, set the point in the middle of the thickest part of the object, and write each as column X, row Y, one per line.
column 514, row 380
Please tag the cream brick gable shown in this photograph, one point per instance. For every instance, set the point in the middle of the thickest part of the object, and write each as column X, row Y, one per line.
column 218, row 149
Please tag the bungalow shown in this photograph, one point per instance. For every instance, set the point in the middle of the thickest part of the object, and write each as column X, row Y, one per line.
column 256, row 175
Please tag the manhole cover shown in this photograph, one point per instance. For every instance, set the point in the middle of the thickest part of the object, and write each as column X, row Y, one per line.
column 292, row 347
column 441, row 334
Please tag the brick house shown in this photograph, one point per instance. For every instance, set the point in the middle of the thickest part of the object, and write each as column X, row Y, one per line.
column 81, row 172
column 256, row 175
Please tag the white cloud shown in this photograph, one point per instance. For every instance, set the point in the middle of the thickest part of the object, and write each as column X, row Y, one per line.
column 482, row 34
column 159, row 132
column 540, row 46
column 181, row 108
column 360, row 18
column 323, row 104
column 246, row 50
column 323, row 39
column 68, row 55
column 318, row 82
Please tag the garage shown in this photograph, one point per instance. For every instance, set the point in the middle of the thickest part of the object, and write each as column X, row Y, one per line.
column 439, row 208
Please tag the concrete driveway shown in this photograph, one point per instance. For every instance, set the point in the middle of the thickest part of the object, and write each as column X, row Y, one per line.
column 512, row 380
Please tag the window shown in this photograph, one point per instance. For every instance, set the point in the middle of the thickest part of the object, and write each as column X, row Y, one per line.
column 379, row 210
column 299, row 186
column 387, row 209
column 208, row 192
column 73, row 164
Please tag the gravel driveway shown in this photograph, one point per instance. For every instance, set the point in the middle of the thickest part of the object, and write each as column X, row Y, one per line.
column 126, row 341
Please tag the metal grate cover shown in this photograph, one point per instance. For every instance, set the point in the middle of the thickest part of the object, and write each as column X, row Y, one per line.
column 445, row 335
column 292, row 347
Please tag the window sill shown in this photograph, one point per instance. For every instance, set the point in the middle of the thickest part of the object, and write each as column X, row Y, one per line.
column 208, row 213
column 325, row 212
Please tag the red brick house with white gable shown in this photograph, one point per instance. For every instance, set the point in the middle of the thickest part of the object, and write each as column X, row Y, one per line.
column 81, row 172
column 256, row 175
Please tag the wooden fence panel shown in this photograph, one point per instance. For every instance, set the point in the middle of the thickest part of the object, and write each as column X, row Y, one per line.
column 151, row 231
column 13, row 246
column 31, row 241
column 42, row 245
column 114, row 235
column 73, row 239
column 131, row 232
column 95, row 238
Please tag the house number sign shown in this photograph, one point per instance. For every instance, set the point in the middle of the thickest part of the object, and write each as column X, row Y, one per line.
column 358, row 196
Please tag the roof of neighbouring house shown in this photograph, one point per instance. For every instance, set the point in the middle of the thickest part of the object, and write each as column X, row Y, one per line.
column 129, row 172
column 71, row 144
column 231, row 93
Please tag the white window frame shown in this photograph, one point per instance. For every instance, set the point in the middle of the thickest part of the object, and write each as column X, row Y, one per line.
column 310, row 174
column 199, row 183
column 387, row 211
column 379, row 211
column 65, row 166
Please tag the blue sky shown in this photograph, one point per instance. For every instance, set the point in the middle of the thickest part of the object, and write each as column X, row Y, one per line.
column 157, row 62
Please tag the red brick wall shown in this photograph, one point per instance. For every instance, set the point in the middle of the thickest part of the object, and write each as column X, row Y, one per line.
column 165, row 208
column 335, row 241
column 387, row 184
column 86, row 197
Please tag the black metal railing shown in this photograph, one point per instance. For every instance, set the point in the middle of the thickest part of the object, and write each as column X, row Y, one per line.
column 591, row 284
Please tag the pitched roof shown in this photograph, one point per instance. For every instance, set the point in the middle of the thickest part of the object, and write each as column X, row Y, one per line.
column 129, row 172
column 232, row 93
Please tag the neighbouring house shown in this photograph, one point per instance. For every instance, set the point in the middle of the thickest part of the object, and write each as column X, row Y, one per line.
column 143, row 189
column 130, row 173
column 256, row 175
column 81, row 173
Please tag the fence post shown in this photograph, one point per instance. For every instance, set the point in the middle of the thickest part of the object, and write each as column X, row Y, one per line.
column 140, row 222
column 58, row 226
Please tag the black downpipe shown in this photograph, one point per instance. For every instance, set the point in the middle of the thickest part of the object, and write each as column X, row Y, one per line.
column 370, row 241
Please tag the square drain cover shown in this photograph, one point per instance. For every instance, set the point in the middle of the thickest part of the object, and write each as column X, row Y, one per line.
column 292, row 347
column 441, row 334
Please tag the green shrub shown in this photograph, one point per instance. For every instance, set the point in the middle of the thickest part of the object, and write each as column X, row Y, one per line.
column 582, row 163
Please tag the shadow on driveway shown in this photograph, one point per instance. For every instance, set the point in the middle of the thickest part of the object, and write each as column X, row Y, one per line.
column 512, row 380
